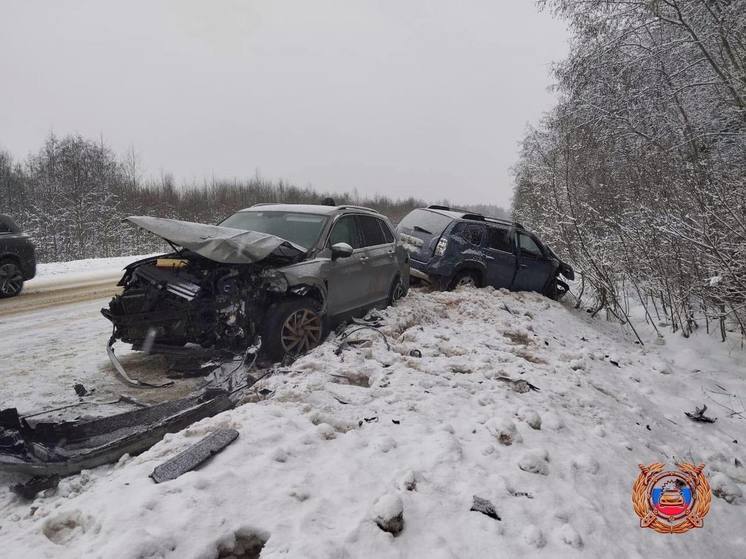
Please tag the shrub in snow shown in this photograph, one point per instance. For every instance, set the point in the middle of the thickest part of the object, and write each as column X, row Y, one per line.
column 535, row 462
column 388, row 513
column 503, row 429
column 725, row 488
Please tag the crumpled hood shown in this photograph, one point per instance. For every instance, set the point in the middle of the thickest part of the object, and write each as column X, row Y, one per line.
column 221, row 244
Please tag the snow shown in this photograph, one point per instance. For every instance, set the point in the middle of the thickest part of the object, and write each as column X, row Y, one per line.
column 341, row 438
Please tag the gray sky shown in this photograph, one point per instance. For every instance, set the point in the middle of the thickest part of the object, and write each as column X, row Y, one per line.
column 400, row 97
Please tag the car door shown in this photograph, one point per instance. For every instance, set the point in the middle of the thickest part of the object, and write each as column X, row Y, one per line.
column 500, row 257
column 380, row 257
column 534, row 269
column 348, row 280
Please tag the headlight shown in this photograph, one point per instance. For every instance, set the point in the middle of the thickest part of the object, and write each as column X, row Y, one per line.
column 274, row 281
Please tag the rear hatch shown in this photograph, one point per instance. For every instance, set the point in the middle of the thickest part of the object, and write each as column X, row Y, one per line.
column 420, row 231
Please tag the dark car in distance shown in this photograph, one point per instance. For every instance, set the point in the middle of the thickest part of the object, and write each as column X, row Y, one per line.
column 449, row 248
column 17, row 258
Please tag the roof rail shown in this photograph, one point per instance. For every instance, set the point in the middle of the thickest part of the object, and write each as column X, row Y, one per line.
column 437, row 207
column 474, row 217
column 351, row 207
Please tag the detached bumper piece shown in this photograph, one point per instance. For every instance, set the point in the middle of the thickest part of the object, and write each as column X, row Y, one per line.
column 66, row 448
column 194, row 456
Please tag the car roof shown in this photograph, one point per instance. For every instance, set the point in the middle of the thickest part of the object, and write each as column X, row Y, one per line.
column 471, row 216
column 317, row 209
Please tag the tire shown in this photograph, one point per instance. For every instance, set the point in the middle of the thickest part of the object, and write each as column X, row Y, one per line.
column 465, row 278
column 11, row 279
column 397, row 291
column 292, row 327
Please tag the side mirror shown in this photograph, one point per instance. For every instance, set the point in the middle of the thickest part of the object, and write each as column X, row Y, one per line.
column 341, row 250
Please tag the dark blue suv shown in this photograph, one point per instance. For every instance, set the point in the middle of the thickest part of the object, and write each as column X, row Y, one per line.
column 449, row 248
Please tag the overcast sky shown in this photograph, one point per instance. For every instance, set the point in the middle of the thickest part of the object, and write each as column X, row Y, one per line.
column 399, row 97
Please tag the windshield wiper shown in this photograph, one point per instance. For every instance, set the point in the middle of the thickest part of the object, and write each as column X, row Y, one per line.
column 421, row 230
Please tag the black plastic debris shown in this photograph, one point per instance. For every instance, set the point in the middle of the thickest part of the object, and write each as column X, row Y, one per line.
column 415, row 353
column 194, row 455
column 29, row 489
column 80, row 390
column 485, row 507
column 699, row 415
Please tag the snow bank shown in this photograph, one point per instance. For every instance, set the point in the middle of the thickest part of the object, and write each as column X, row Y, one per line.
column 325, row 454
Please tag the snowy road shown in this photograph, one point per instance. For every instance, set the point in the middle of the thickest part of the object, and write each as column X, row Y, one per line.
column 341, row 429
column 44, row 353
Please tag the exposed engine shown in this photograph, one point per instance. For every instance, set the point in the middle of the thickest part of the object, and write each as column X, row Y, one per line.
column 184, row 298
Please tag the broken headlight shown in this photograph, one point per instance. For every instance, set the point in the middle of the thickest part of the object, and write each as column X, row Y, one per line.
column 275, row 281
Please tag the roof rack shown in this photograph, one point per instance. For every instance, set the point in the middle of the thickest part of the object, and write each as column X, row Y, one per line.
column 351, row 207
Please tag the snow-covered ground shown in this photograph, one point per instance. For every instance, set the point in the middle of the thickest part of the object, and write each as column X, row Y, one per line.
column 343, row 438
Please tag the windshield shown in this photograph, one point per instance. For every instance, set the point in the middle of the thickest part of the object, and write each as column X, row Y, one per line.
column 299, row 228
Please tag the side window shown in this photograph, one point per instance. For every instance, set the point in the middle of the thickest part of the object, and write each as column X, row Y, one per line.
column 387, row 234
column 499, row 239
column 371, row 230
column 345, row 231
column 472, row 233
column 528, row 246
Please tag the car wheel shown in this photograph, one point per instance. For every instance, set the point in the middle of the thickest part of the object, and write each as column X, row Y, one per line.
column 466, row 278
column 397, row 291
column 293, row 327
column 11, row 279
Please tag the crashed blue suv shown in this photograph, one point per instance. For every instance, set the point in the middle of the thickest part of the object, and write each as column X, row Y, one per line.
column 449, row 248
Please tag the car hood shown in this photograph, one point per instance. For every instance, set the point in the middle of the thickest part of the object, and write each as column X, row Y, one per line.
column 220, row 244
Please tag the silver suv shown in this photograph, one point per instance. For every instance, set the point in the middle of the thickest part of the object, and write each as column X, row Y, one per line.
column 285, row 272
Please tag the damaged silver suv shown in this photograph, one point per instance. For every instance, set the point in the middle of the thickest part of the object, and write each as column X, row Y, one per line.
column 284, row 272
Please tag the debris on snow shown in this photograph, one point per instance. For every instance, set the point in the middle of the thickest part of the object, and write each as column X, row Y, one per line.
column 521, row 386
column 699, row 415
column 504, row 430
column 29, row 489
column 194, row 455
column 485, row 507
column 725, row 488
column 388, row 513
column 408, row 481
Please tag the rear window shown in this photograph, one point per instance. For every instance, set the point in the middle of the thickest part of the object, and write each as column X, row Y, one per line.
column 426, row 222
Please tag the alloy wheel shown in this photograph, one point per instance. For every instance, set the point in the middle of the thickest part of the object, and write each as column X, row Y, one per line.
column 301, row 331
column 11, row 280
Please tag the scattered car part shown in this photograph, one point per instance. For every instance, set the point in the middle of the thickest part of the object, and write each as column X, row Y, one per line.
column 17, row 258
column 485, row 507
column 123, row 374
column 519, row 385
column 67, row 447
column 699, row 415
column 194, row 455
column 30, row 489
